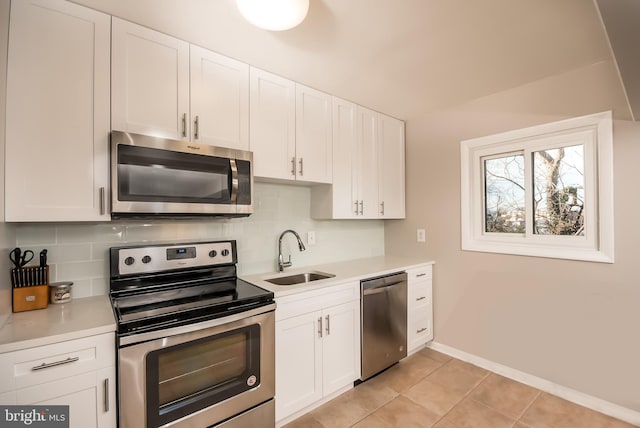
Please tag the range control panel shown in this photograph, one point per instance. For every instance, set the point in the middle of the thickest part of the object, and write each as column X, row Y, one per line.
column 158, row 258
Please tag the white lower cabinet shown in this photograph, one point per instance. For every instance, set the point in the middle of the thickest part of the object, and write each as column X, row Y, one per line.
column 79, row 373
column 419, row 307
column 317, row 346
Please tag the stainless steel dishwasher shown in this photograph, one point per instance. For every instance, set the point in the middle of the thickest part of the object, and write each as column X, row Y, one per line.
column 384, row 322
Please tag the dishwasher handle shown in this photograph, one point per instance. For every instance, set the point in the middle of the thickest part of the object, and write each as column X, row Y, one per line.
column 383, row 281
column 369, row 291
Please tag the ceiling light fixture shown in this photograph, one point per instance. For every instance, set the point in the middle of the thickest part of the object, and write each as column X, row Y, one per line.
column 274, row 15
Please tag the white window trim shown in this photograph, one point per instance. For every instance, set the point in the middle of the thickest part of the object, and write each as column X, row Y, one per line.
column 596, row 133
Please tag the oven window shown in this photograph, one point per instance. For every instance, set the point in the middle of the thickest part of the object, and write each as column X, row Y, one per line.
column 188, row 377
column 155, row 175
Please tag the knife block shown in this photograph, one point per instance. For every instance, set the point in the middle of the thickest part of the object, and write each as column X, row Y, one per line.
column 30, row 288
column 29, row 298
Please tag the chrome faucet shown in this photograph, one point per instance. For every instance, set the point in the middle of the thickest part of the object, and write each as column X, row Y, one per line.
column 281, row 263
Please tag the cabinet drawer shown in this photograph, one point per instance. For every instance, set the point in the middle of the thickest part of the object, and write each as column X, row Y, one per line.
column 46, row 363
column 420, row 328
column 419, row 293
column 314, row 300
column 419, row 273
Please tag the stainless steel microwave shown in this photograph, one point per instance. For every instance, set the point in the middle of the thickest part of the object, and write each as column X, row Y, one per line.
column 152, row 176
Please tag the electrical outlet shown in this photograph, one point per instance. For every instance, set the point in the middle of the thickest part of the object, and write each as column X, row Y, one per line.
column 421, row 235
column 311, row 238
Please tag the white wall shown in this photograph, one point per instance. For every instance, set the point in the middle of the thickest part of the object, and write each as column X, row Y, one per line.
column 79, row 252
column 573, row 323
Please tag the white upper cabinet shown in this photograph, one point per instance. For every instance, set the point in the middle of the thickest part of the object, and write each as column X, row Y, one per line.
column 57, row 119
column 272, row 125
column 290, row 130
column 219, row 100
column 150, row 82
column 392, row 173
column 166, row 87
column 368, row 166
column 313, row 135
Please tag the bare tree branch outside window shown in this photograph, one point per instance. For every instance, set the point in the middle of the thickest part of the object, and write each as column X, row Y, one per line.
column 504, row 194
column 558, row 180
column 558, row 192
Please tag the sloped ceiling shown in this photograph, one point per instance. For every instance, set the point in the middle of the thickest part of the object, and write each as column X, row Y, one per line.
column 403, row 57
column 622, row 22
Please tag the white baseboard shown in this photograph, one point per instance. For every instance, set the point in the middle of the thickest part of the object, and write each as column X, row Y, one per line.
column 594, row 403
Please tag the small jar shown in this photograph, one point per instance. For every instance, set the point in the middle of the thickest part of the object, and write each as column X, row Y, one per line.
column 60, row 292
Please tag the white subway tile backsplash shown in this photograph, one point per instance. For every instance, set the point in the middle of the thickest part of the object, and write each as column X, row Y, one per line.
column 35, row 234
column 66, row 253
column 80, row 270
column 80, row 252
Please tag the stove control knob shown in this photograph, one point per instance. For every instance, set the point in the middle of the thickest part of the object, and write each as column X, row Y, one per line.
column 213, row 253
column 129, row 261
column 146, row 259
column 225, row 253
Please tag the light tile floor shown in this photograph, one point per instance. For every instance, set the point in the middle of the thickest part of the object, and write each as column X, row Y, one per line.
column 430, row 389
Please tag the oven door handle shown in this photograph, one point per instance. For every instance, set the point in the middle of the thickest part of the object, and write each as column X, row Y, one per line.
column 160, row 334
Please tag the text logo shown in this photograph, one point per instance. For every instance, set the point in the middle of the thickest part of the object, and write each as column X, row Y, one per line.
column 34, row 416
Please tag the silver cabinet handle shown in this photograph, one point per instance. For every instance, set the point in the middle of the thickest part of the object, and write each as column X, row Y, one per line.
column 184, row 124
column 196, row 128
column 293, row 166
column 301, row 167
column 421, row 298
column 103, row 201
column 56, row 363
column 361, row 207
column 320, row 327
column 420, row 330
column 106, row 394
column 356, row 211
column 382, row 208
column 421, row 274
column 328, row 329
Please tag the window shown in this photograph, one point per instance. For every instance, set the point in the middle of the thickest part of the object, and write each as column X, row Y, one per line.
column 543, row 191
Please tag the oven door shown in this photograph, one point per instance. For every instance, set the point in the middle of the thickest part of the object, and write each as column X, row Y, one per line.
column 153, row 175
column 198, row 375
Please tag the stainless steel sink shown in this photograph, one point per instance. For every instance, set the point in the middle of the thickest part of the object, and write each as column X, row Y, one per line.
column 299, row 278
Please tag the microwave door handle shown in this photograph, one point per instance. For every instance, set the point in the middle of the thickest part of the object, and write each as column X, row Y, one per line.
column 234, row 180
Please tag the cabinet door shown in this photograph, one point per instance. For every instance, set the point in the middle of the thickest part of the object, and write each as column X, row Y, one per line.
column 298, row 363
column 391, row 161
column 272, row 125
column 57, row 121
column 313, row 135
column 340, row 346
column 84, row 394
column 150, row 82
column 219, row 100
column 367, row 170
column 345, row 160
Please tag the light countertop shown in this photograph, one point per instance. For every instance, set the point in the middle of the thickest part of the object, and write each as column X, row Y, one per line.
column 78, row 318
column 352, row 270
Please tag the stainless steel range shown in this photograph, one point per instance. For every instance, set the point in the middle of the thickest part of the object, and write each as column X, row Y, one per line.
column 196, row 344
